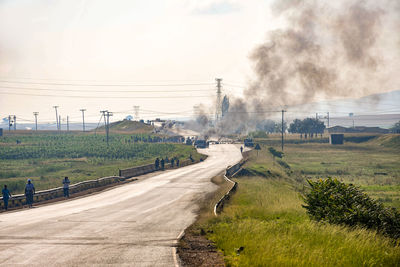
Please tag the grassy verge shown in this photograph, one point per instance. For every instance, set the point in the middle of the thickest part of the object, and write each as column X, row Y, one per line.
column 265, row 224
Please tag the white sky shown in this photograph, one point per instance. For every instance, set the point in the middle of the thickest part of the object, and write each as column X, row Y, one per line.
column 124, row 42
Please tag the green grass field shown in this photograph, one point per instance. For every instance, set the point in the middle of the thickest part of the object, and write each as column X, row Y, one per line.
column 266, row 217
column 48, row 157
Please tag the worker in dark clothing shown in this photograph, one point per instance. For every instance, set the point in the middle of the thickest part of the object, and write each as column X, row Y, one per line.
column 29, row 192
column 6, row 196
column 172, row 162
column 177, row 162
column 157, row 163
column 66, row 183
column 191, row 158
column 241, row 149
column 162, row 164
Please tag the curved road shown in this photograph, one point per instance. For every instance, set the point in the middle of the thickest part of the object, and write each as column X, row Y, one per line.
column 136, row 224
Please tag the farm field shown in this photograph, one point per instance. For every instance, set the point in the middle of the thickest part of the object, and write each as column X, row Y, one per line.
column 264, row 223
column 48, row 157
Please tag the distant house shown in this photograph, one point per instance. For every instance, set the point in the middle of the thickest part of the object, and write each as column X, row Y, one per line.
column 357, row 129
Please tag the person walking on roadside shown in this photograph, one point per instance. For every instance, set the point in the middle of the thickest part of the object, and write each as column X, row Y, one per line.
column 29, row 192
column 177, row 162
column 66, row 183
column 241, row 149
column 157, row 163
column 6, row 196
column 162, row 164
column 172, row 162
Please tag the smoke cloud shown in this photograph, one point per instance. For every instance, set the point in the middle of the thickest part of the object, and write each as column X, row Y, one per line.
column 326, row 50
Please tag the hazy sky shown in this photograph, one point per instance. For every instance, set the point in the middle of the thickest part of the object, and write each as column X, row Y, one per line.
column 95, row 48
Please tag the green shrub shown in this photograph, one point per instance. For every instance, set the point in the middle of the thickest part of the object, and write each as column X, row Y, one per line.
column 339, row 203
column 275, row 153
column 283, row 164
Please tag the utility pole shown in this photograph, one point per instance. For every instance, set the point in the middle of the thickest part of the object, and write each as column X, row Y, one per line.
column 15, row 123
column 55, row 107
column 9, row 123
column 67, row 123
column 59, row 122
column 282, row 142
column 83, row 118
column 218, row 104
column 36, row 114
column 328, row 118
column 107, row 122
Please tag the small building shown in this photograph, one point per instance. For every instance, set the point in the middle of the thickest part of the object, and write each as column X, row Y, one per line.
column 336, row 139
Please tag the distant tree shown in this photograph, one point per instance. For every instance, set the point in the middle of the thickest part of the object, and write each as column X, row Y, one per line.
column 395, row 128
column 278, row 127
column 295, row 126
column 225, row 106
column 308, row 126
column 266, row 126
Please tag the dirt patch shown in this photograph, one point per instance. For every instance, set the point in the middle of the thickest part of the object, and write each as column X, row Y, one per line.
column 196, row 250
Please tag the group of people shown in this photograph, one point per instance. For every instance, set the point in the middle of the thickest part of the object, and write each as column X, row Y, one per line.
column 160, row 164
column 30, row 191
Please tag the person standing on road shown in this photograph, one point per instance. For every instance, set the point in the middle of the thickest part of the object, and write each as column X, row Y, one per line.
column 172, row 162
column 66, row 183
column 29, row 192
column 177, row 162
column 157, row 163
column 241, row 149
column 162, row 164
column 6, row 196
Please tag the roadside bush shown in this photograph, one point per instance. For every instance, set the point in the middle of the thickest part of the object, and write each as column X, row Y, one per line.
column 339, row 203
column 283, row 164
column 275, row 153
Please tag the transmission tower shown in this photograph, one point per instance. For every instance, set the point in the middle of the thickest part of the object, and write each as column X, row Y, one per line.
column 196, row 111
column 58, row 127
column 83, row 118
column 136, row 109
column 36, row 114
column 218, row 104
column 12, row 121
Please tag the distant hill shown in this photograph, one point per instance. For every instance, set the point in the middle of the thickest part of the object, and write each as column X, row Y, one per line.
column 129, row 126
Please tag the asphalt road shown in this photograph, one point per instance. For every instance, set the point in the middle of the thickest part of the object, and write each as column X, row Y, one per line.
column 136, row 224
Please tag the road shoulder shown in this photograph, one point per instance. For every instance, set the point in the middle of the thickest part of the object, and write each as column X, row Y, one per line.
column 194, row 249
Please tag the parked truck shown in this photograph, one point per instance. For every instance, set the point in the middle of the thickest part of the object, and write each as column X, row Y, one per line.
column 248, row 142
column 201, row 143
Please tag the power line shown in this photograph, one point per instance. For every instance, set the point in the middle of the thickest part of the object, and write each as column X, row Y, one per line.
column 108, row 97
column 108, row 85
column 105, row 91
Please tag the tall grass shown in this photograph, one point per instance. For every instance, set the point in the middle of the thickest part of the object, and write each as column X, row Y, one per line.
column 266, row 218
